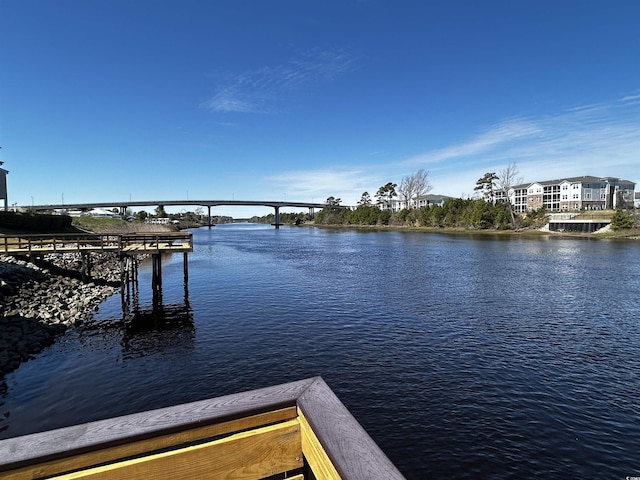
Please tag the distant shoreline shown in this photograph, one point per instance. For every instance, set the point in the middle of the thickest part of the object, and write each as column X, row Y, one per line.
column 630, row 234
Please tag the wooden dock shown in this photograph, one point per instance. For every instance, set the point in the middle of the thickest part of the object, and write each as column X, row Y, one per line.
column 128, row 244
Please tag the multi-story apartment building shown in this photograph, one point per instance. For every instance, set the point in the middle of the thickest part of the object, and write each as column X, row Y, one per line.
column 576, row 193
column 420, row 201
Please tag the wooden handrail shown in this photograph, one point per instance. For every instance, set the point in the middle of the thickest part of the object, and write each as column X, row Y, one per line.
column 331, row 439
column 31, row 244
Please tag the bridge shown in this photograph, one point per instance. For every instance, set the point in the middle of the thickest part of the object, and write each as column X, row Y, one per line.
column 276, row 205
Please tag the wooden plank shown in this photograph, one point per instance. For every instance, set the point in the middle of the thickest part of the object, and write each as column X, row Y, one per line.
column 252, row 454
column 351, row 450
column 314, row 453
column 80, row 439
column 112, row 454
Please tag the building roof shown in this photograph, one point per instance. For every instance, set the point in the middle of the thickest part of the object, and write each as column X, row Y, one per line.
column 433, row 198
column 582, row 179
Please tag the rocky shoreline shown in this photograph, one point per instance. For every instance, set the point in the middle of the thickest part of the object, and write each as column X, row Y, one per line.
column 40, row 301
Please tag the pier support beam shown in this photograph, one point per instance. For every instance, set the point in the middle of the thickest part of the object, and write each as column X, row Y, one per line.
column 86, row 267
column 156, row 280
column 209, row 216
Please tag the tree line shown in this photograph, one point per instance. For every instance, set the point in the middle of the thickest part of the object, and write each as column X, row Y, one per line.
column 476, row 214
column 492, row 211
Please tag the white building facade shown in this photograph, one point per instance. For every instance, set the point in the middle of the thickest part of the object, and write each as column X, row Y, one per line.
column 418, row 202
column 571, row 194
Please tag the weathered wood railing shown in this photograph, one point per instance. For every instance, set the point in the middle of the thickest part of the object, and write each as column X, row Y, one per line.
column 299, row 430
column 61, row 243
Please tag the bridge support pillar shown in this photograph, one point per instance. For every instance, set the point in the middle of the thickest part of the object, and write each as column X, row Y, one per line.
column 277, row 217
column 209, row 216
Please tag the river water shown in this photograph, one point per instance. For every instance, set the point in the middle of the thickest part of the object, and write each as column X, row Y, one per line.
column 463, row 356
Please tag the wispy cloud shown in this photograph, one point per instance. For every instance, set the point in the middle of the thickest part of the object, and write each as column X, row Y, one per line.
column 499, row 135
column 596, row 139
column 261, row 90
column 347, row 184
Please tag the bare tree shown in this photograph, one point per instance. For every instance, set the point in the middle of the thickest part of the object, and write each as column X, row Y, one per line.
column 506, row 180
column 412, row 186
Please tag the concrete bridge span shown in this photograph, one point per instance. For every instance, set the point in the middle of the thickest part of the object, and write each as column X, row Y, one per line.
column 276, row 205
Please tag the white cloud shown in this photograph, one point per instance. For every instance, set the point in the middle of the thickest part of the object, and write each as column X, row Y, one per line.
column 317, row 185
column 261, row 90
column 231, row 100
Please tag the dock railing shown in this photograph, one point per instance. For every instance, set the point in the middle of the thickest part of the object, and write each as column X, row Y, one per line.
column 84, row 243
column 298, row 430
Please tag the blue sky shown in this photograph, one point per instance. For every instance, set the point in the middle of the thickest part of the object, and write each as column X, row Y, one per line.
column 300, row 100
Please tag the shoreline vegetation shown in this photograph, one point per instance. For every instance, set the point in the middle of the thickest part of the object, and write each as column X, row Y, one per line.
column 41, row 300
column 471, row 216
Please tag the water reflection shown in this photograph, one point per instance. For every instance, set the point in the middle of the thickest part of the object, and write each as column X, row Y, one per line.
column 145, row 331
column 154, row 329
column 159, row 329
column 130, row 290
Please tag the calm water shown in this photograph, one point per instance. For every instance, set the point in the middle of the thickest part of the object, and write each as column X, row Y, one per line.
column 463, row 357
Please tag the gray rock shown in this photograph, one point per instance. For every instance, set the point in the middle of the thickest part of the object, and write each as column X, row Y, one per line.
column 37, row 304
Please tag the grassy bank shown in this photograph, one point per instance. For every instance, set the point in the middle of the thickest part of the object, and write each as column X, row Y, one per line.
column 116, row 225
column 94, row 225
